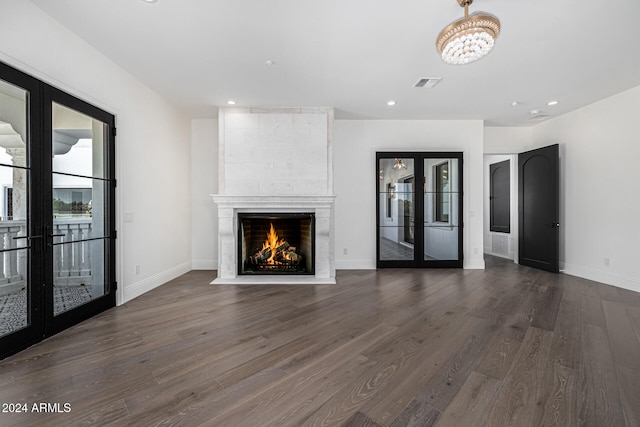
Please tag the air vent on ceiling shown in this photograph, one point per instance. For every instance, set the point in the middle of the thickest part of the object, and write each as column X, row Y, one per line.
column 428, row 82
column 539, row 117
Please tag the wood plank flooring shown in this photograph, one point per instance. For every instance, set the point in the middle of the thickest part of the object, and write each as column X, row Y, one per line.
column 507, row 346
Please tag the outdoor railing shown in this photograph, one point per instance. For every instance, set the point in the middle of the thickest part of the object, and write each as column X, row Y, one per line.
column 71, row 252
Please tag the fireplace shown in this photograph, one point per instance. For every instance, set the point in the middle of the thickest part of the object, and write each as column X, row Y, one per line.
column 275, row 183
column 276, row 243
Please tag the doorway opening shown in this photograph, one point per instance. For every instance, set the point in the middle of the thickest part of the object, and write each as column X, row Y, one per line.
column 500, row 221
column 533, row 234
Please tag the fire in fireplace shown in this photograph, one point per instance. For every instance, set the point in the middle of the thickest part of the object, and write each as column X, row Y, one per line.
column 281, row 243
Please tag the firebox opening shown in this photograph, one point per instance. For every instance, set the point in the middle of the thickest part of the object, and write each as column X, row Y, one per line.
column 276, row 243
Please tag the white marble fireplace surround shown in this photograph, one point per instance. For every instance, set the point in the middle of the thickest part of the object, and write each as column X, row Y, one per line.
column 230, row 206
column 275, row 160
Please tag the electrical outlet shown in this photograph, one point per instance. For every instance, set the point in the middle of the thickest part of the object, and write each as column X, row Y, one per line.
column 345, row 251
column 607, row 262
column 137, row 269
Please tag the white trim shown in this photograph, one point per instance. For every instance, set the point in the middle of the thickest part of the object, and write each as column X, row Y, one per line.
column 488, row 252
column 355, row 264
column 597, row 275
column 136, row 289
column 476, row 264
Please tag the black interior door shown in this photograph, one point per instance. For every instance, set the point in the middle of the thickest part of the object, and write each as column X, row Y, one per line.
column 538, row 206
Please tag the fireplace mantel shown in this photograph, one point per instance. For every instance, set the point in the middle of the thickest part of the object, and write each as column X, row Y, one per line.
column 230, row 205
column 298, row 202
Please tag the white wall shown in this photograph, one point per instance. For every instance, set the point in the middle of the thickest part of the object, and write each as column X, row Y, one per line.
column 355, row 143
column 152, row 146
column 204, row 182
column 507, row 140
column 600, row 207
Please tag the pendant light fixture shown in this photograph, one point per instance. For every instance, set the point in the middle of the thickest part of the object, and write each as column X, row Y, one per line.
column 399, row 164
column 468, row 39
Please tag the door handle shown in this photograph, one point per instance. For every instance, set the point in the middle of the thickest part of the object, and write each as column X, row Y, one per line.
column 28, row 237
column 51, row 235
column 555, row 225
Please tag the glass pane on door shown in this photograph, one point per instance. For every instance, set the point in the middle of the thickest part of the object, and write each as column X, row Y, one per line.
column 79, row 201
column 15, row 295
column 396, row 193
column 441, row 209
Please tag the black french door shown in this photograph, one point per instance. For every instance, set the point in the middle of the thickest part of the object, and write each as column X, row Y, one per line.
column 57, row 230
column 419, row 209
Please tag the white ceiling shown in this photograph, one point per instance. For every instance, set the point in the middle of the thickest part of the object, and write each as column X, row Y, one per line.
column 355, row 55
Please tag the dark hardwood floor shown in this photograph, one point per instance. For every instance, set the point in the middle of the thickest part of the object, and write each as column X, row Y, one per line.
column 507, row 346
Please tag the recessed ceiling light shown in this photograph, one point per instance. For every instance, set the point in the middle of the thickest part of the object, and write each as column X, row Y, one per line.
column 149, row 1
column 270, row 63
column 391, row 103
column 515, row 103
column 231, row 102
column 552, row 103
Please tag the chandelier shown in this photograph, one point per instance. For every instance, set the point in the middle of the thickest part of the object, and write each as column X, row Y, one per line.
column 399, row 164
column 468, row 39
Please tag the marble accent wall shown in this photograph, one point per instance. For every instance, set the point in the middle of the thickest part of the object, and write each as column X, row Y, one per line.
column 275, row 152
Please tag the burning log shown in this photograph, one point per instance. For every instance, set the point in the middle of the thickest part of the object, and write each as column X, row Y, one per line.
column 292, row 256
column 275, row 252
column 283, row 247
column 261, row 256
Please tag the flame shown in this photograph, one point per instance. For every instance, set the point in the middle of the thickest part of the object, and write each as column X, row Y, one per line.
column 272, row 243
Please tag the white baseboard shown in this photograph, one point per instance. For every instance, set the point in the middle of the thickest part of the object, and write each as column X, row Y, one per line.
column 367, row 264
column 602, row 276
column 474, row 264
column 204, row 264
column 355, row 264
column 488, row 252
column 136, row 289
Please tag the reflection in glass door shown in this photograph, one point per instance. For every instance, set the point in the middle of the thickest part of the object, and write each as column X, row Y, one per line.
column 15, row 242
column 419, row 209
column 79, row 268
column 441, row 209
column 396, row 228
column 78, row 208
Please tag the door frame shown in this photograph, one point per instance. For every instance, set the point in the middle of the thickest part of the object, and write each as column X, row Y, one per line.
column 517, row 195
column 418, row 201
column 41, row 321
